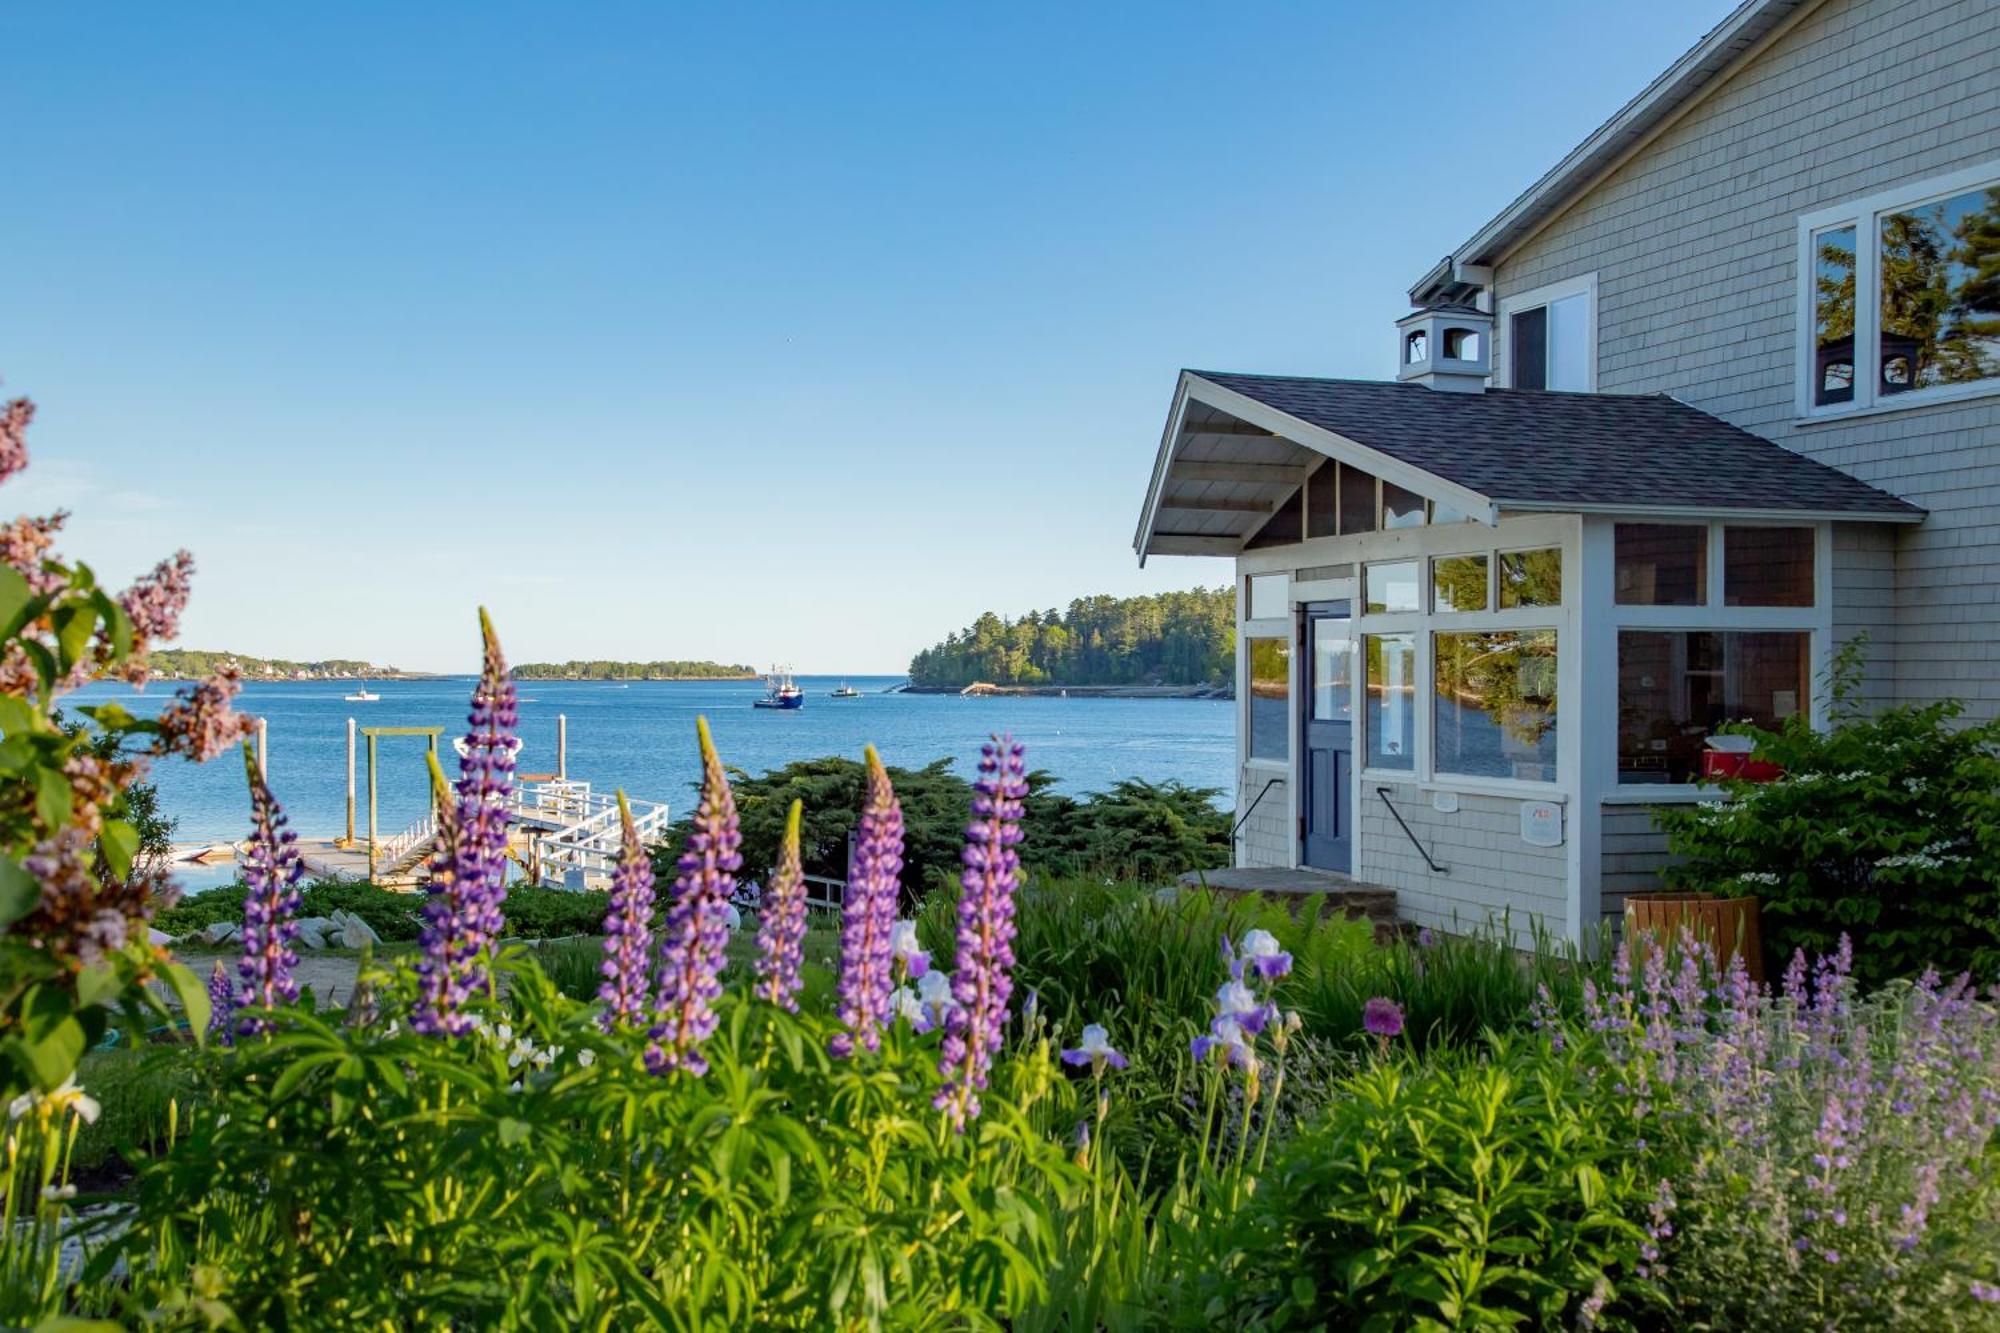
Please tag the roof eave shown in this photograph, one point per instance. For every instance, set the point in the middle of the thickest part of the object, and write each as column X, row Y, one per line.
column 1905, row 514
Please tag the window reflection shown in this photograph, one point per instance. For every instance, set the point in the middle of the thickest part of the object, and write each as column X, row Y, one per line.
column 1458, row 583
column 1496, row 704
column 1531, row 578
column 1392, row 684
column 1833, row 315
column 1940, row 313
column 1392, row 587
column 1270, row 698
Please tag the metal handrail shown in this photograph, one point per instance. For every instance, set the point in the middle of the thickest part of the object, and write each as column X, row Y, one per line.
column 1252, row 810
column 1397, row 815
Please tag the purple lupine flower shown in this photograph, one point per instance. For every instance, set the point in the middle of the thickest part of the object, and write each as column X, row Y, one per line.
column 627, row 991
column 469, row 865
column 781, row 927
column 874, row 884
column 221, row 1004
column 1382, row 1017
column 272, row 869
column 1095, row 1049
column 981, row 979
column 697, row 928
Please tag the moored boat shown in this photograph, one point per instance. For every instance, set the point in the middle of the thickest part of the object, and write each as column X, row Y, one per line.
column 845, row 691
column 780, row 691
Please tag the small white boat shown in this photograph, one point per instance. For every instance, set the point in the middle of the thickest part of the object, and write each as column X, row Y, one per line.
column 361, row 696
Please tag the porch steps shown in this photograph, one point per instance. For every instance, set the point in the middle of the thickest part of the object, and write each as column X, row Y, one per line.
column 1334, row 891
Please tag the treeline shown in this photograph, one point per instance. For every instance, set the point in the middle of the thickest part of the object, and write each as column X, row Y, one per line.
column 1170, row 638
column 192, row 663
column 632, row 671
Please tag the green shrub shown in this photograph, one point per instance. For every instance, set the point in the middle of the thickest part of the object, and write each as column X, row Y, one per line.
column 532, row 913
column 1481, row 1189
column 1885, row 828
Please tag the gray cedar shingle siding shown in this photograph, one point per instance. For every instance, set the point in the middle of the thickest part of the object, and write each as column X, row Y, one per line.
column 1266, row 836
column 1694, row 244
column 1492, row 874
column 1567, row 448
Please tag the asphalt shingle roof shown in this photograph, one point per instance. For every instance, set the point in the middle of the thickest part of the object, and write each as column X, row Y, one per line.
column 1585, row 449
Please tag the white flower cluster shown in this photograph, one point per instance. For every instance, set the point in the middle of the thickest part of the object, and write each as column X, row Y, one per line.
column 1758, row 877
column 1932, row 856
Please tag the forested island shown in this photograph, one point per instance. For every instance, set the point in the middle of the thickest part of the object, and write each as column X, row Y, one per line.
column 195, row 664
column 633, row 671
column 1181, row 640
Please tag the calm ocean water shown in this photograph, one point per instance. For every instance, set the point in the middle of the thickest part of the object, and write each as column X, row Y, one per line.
column 641, row 737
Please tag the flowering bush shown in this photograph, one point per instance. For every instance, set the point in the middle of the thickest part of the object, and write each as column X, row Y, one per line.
column 1826, row 1161
column 1885, row 827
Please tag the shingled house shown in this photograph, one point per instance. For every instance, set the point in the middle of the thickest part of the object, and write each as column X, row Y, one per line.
column 1716, row 394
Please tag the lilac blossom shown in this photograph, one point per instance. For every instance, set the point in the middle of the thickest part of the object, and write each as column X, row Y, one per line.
column 155, row 601
column 627, row 991
column 26, row 544
column 781, row 926
column 272, row 869
column 199, row 723
column 982, row 980
column 697, row 926
column 874, row 884
column 14, row 418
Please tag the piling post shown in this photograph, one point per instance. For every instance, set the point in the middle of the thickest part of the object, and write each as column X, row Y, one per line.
column 349, row 842
column 371, row 809
column 263, row 737
column 562, row 747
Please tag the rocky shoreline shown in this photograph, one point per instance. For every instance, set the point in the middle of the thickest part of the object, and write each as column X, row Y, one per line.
column 980, row 688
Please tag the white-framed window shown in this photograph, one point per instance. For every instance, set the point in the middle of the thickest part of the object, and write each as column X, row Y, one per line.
column 1549, row 336
column 1899, row 296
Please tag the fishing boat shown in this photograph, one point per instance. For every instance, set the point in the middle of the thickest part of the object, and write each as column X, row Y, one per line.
column 845, row 691
column 780, row 691
column 362, row 695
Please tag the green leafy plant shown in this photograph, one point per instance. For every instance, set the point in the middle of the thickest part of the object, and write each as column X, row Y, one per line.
column 1885, row 827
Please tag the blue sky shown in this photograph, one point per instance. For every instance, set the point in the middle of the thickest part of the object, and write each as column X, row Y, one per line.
column 766, row 332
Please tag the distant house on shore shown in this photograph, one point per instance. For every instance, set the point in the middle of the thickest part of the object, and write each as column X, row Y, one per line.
column 1718, row 393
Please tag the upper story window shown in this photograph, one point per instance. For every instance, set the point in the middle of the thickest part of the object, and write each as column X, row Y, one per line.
column 1901, row 301
column 1551, row 336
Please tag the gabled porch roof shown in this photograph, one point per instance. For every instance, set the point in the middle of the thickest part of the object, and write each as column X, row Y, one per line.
column 1236, row 447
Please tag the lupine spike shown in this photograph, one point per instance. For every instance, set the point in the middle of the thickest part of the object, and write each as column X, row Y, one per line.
column 442, row 971
column 781, row 930
column 874, row 884
column 697, row 926
column 627, row 991
column 221, row 1003
column 982, row 981
column 272, row 869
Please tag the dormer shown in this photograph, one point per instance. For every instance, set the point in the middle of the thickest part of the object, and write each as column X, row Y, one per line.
column 1445, row 347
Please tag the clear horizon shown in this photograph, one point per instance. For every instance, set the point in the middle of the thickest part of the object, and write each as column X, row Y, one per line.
column 772, row 334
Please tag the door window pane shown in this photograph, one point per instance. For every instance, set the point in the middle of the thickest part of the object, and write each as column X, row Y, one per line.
column 1323, row 502
column 1531, row 578
column 1393, row 587
column 1676, row 687
column 1270, row 595
column 1392, row 686
column 1941, row 293
column 1767, row 566
column 1357, row 501
column 1270, row 698
column 1458, row 583
column 1496, row 704
column 1332, row 668
column 1662, row 564
column 1401, row 508
column 1833, row 316
column 1569, row 343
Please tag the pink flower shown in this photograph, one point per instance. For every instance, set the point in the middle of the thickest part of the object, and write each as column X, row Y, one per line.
column 14, row 419
column 199, row 723
column 154, row 603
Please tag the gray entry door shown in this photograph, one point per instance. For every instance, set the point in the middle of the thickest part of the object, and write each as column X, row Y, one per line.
column 1328, row 745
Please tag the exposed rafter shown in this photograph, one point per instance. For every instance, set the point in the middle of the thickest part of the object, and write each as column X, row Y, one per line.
column 1247, row 474
column 1217, row 506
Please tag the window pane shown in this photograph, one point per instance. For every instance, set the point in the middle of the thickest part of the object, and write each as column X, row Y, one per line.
column 1767, row 566
column 1569, row 343
column 1270, row 698
column 1675, row 688
column 1941, row 293
column 1322, row 502
column 1332, row 670
column 1392, row 682
column 1357, row 500
column 1528, row 348
column 1284, row 527
column 1270, row 595
column 1444, row 513
column 1833, row 316
column 1393, row 587
column 1531, row 578
column 1662, row 564
column 1496, row 704
column 1458, row 583
column 1401, row 508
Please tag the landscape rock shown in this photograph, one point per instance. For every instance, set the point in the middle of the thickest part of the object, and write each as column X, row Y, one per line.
column 353, row 932
column 158, row 936
column 221, row 932
column 314, row 931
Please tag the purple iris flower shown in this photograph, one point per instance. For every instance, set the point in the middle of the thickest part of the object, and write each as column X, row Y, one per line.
column 1095, row 1049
